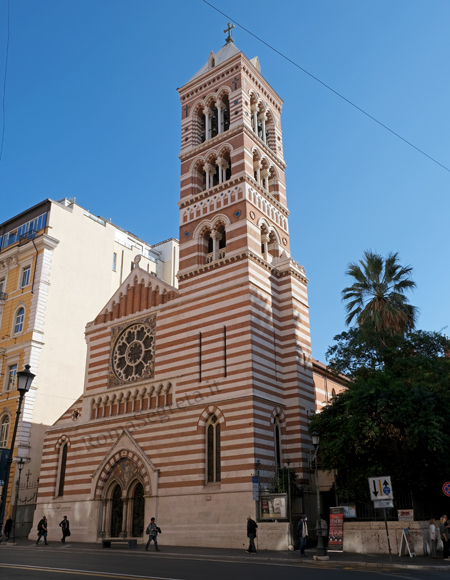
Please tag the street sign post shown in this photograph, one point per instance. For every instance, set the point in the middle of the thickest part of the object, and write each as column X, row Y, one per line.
column 380, row 488
column 382, row 495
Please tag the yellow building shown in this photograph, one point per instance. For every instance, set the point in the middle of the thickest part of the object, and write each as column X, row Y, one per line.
column 59, row 265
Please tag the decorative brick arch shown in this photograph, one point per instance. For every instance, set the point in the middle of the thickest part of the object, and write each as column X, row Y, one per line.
column 109, row 466
column 211, row 410
column 278, row 412
column 63, row 440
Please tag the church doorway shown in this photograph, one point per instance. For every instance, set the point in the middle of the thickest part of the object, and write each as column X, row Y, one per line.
column 138, row 511
column 116, row 512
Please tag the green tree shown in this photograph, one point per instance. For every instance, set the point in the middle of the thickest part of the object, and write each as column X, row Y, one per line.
column 377, row 296
column 393, row 418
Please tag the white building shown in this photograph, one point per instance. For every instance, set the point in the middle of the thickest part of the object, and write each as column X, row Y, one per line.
column 59, row 266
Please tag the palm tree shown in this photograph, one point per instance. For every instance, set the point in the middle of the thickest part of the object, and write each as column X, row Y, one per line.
column 377, row 296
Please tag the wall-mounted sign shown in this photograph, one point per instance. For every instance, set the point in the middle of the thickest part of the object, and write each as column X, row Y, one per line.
column 273, row 507
column 349, row 511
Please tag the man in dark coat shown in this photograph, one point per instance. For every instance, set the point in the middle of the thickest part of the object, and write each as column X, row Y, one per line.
column 8, row 527
column 42, row 530
column 251, row 535
column 64, row 525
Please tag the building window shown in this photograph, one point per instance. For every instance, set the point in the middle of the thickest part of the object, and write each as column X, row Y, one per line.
column 62, row 469
column 114, row 264
column 213, row 450
column 132, row 265
column 12, row 375
column 2, row 285
column 18, row 327
column 26, row 276
column 4, row 431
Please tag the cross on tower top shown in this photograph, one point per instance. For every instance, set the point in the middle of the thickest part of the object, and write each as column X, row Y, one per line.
column 229, row 38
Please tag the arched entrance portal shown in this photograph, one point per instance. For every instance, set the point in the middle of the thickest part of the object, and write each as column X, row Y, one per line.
column 123, row 501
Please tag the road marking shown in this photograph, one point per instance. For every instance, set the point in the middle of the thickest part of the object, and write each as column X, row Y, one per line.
column 84, row 572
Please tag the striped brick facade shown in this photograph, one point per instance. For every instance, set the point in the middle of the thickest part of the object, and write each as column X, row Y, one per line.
column 232, row 346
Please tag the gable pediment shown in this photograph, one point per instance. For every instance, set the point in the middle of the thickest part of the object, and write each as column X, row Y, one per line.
column 139, row 291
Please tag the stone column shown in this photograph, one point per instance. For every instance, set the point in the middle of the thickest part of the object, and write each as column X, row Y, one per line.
column 104, row 505
column 219, row 117
column 208, row 114
column 123, row 533
column 265, row 242
column 257, row 168
column 262, row 118
column 255, row 118
column 216, row 236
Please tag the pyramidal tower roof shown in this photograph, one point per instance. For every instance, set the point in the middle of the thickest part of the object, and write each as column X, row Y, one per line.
column 226, row 52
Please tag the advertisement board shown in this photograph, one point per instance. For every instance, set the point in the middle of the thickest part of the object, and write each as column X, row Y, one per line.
column 273, row 507
column 336, row 530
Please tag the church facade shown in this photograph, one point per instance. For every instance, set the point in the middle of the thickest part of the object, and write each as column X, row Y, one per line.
column 191, row 391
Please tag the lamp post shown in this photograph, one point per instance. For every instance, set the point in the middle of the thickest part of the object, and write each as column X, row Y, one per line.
column 20, row 464
column 321, row 550
column 24, row 380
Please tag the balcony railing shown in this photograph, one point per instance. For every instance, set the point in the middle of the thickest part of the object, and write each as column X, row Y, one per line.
column 3, row 296
column 210, row 257
column 24, row 238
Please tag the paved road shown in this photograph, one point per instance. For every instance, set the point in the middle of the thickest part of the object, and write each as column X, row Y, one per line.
column 69, row 563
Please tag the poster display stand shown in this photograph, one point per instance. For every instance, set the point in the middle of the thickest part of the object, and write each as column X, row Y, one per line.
column 336, row 530
column 406, row 544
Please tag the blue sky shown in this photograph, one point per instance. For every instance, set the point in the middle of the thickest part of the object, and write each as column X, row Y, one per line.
column 92, row 112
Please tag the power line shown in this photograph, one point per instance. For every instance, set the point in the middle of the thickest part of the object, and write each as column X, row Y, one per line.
column 4, row 87
column 329, row 88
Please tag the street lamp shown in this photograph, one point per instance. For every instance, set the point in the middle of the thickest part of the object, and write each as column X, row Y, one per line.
column 24, row 380
column 321, row 550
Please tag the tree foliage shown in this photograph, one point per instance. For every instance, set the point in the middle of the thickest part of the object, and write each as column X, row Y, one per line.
column 377, row 296
column 393, row 418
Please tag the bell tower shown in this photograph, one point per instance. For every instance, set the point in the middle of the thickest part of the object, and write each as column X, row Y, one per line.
column 234, row 247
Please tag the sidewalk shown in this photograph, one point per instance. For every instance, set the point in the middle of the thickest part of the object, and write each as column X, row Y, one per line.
column 283, row 557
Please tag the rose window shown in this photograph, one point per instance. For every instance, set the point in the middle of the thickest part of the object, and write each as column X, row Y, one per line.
column 134, row 353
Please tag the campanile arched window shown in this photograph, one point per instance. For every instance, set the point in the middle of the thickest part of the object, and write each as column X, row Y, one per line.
column 213, row 472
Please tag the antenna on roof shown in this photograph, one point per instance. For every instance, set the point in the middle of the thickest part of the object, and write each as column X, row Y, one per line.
column 229, row 38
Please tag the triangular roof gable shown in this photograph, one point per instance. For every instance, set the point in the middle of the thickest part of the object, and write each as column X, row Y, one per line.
column 125, row 447
column 147, row 277
column 124, row 441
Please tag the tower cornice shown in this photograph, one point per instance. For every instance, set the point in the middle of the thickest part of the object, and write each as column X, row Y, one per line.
column 289, row 266
column 244, row 177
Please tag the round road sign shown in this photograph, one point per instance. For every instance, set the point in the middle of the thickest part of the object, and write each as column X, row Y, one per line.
column 446, row 488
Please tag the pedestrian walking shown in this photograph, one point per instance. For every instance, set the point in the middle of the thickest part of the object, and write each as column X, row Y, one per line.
column 153, row 531
column 65, row 527
column 433, row 538
column 42, row 531
column 445, row 536
column 8, row 527
column 302, row 531
column 251, row 535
